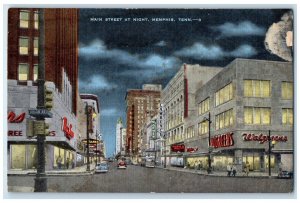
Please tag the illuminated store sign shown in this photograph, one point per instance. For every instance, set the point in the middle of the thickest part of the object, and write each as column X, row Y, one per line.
column 178, row 148
column 261, row 138
column 67, row 129
column 192, row 149
column 13, row 118
column 224, row 140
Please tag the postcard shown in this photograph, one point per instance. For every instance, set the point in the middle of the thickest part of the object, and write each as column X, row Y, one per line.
column 141, row 100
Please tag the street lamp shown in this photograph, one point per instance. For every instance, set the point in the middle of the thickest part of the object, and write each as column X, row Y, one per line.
column 87, row 136
column 209, row 170
column 271, row 145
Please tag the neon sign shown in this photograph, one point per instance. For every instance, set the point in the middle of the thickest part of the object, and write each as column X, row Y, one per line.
column 191, row 149
column 67, row 129
column 224, row 140
column 178, row 148
column 12, row 118
column 261, row 138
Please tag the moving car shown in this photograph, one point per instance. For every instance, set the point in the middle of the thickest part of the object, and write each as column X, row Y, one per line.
column 122, row 165
column 285, row 174
column 101, row 168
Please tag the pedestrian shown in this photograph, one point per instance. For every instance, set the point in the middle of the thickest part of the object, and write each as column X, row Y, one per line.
column 233, row 170
column 196, row 165
column 200, row 165
column 73, row 163
column 59, row 161
column 67, row 163
column 247, row 168
column 228, row 169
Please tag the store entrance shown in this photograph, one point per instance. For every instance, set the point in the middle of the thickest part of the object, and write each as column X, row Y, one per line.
column 255, row 161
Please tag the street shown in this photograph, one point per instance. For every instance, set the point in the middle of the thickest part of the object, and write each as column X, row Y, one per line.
column 137, row 179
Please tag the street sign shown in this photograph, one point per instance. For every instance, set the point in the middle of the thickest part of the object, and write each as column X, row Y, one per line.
column 41, row 113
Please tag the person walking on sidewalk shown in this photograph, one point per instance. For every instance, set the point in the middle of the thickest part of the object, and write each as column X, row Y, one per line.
column 233, row 170
column 228, row 169
column 247, row 168
column 67, row 163
column 59, row 161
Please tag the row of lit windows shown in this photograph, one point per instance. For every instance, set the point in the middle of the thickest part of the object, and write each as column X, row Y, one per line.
column 252, row 88
column 24, row 46
column 257, row 88
column 23, row 72
column 25, row 19
column 252, row 116
column 225, row 94
column 203, row 106
column 224, row 119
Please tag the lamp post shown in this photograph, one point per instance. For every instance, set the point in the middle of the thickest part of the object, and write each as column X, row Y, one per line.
column 271, row 145
column 40, row 182
column 87, row 136
column 209, row 170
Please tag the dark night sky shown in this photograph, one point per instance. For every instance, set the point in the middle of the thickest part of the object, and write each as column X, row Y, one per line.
column 116, row 56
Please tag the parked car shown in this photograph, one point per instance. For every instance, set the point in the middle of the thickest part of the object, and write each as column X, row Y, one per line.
column 101, row 168
column 122, row 165
column 285, row 174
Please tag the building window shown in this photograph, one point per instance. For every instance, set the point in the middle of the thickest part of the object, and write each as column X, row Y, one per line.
column 257, row 116
column 36, row 46
column 203, row 127
column 257, row 88
column 36, row 20
column 224, row 119
column 23, row 45
column 203, row 106
column 190, row 132
column 24, row 19
column 23, row 72
column 35, row 72
column 287, row 90
column 287, row 117
column 225, row 94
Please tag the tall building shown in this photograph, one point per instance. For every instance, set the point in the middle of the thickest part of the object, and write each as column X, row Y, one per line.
column 61, row 68
column 119, row 128
column 248, row 101
column 61, row 49
column 141, row 104
column 178, row 102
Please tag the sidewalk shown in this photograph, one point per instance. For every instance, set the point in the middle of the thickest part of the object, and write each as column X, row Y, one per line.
column 80, row 170
column 254, row 174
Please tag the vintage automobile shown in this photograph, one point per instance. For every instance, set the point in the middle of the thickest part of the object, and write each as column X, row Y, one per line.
column 285, row 174
column 122, row 165
column 101, row 168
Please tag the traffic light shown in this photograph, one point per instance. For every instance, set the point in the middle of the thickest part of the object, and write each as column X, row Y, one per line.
column 46, row 129
column 48, row 98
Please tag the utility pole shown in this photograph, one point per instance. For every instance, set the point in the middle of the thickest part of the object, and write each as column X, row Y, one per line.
column 40, row 181
column 87, row 136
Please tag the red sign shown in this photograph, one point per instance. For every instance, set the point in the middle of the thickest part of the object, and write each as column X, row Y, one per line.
column 224, row 140
column 178, row 148
column 12, row 118
column 15, row 133
column 67, row 129
column 261, row 138
column 191, row 149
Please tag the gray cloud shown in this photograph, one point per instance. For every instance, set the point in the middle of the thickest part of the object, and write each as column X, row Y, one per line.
column 161, row 43
column 245, row 28
column 200, row 51
column 97, row 82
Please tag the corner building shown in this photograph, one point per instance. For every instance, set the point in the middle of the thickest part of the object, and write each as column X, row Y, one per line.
column 246, row 100
column 61, row 75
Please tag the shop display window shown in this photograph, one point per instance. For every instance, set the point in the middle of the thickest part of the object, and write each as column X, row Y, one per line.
column 32, row 157
column 18, row 156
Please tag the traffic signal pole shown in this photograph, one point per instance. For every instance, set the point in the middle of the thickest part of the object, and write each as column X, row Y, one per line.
column 40, row 182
